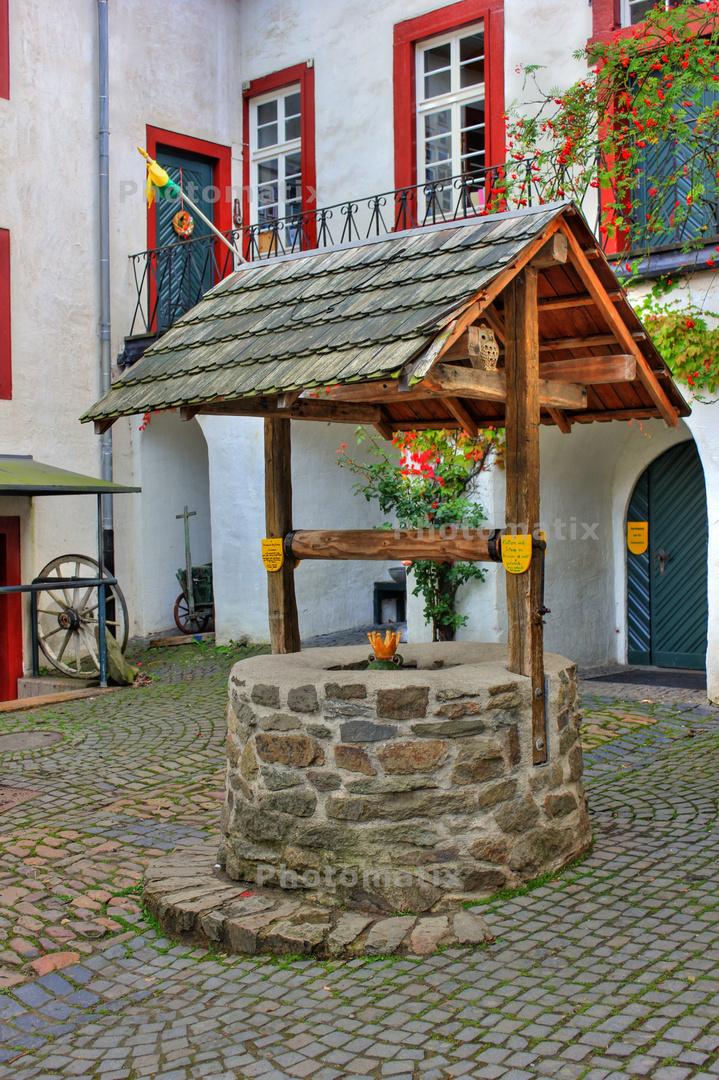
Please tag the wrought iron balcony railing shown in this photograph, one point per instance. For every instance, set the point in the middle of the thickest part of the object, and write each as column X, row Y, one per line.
column 170, row 280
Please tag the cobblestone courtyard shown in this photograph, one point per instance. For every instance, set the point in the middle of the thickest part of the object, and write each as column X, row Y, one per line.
column 608, row 970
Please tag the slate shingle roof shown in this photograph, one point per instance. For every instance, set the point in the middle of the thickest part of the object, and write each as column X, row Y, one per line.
column 344, row 315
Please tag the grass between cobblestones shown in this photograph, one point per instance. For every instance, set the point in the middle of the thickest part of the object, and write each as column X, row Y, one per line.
column 605, row 969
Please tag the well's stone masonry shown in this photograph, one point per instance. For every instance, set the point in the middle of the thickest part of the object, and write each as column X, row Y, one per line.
column 393, row 790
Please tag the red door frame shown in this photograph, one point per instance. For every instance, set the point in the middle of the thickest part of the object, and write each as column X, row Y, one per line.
column 305, row 76
column 11, row 667
column 221, row 157
column 4, row 50
column 5, row 336
column 406, row 35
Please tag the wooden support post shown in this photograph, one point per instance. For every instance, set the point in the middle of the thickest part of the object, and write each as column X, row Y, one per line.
column 284, row 623
column 525, row 636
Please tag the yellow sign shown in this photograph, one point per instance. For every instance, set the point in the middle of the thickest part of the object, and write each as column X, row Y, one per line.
column 273, row 555
column 637, row 536
column 516, row 553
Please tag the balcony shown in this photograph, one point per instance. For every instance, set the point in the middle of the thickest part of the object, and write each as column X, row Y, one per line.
column 171, row 280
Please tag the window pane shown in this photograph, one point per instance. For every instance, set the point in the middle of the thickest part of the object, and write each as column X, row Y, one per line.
column 473, row 115
column 267, row 136
column 442, row 171
column 436, row 58
column 470, row 48
column 292, row 128
column 471, row 73
column 292, row 104
column 438, row 150
column 438, row 123
column 267, row 112
column 439, row 83
column 267, row 170
column 293, row 165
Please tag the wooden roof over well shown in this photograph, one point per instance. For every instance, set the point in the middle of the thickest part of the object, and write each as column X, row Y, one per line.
column 385, row 332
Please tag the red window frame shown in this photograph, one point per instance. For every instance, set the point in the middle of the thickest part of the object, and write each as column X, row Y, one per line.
column 406, row 36
column 5, row 335
column 4, row 50
column 305, row 76
column 11, row 667
column 221, row 157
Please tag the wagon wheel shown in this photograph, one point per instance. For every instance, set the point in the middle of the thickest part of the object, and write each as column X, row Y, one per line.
column 190, row 624
column 67, row 617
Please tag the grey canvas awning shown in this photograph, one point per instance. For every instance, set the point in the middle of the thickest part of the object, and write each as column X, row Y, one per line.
column 24, row 476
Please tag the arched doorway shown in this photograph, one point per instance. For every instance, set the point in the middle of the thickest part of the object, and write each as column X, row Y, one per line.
column 667, row 584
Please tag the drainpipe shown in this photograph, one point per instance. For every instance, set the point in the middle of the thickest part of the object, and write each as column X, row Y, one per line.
column 108, row 536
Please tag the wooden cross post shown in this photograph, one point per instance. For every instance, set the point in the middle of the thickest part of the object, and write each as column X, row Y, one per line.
column 525, row 631
column 284, row 623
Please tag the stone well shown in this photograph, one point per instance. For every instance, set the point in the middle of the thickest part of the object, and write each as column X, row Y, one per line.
column 394, row 790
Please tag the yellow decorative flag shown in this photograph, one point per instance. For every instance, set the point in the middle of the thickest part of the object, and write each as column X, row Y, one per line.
column 157, row 178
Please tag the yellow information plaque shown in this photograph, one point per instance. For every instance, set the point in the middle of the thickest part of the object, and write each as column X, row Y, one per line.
column 516, row 553
column 273, row 555
column 637, row 536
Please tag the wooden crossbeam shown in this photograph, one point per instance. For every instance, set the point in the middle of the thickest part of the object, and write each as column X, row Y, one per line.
column 618, row 414
column 305, row 409
column 553, row 253
column 460, row 413
column 556, row 303
column 561, row 420
column 101, row 426
column 592, row 369
column 588, row 342
column 456, row 545
column 492, row 386
column 626, row 338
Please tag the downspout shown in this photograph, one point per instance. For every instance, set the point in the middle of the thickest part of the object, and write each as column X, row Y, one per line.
column 108, row 536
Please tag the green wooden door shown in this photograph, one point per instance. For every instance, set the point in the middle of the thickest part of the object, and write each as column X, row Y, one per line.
column 667, row 586
column 184, row 268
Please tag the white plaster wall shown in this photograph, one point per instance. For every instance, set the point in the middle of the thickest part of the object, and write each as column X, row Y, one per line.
column 330, row 595
column 350, row 44
column 174, row 474
column 177, row 71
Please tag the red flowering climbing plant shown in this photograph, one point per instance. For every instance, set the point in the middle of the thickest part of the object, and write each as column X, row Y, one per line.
column 641, row 131
column 642, row 128
column 429, row 478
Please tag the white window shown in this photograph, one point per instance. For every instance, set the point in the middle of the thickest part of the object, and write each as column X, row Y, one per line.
column 276, row 159
column 451, row 115
column 636, row 11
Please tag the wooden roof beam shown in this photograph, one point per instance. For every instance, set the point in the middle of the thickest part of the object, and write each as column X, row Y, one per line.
column 435, row 351
column 615, row 322
column 593, row 370
column 305, row 409
column 460, row 413
column 101, row 426
column 553, row 253
column 492, row 386
column 556, row 303
column 589, row 342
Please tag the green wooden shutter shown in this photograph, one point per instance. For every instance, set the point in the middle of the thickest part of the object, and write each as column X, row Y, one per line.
column 667, row 158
